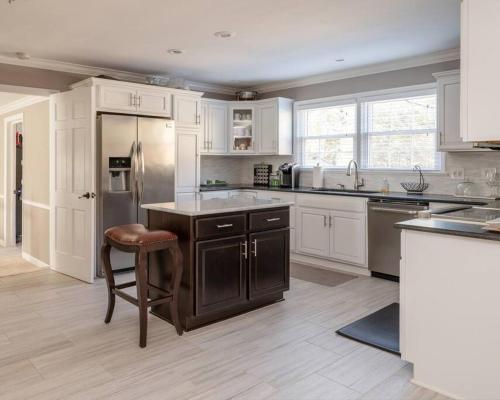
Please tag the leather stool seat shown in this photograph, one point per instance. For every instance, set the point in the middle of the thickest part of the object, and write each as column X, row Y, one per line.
column 137, row 234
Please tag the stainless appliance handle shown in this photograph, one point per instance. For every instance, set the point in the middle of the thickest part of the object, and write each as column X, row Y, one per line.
column 394, row 210
column 133, row 172
column 140, row 154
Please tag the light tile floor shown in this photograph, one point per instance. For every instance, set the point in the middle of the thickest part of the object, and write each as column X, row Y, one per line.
column 54, row 345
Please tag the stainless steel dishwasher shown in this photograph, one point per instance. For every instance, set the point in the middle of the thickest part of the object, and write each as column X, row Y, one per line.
column 384, row 241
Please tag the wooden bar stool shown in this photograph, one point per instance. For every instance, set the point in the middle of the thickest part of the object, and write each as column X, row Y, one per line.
column 135, row 238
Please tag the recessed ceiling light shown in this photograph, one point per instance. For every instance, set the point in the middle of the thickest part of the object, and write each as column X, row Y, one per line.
column 176, row 51
column 224, row 34
column 339, row 60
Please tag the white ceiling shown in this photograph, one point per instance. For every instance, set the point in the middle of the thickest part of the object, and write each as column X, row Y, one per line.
column 275, row 40
column 7, row 98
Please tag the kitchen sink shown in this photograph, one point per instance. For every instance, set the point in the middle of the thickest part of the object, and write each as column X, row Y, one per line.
column 327, row 190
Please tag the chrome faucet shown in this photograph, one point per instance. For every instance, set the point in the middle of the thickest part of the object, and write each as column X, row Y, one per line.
column 357, row 182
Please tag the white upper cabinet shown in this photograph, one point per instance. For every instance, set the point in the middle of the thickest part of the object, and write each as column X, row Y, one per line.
column 116, row 98
column 274, row 126
column 187, row 110
column 242, row 127
column 214, row 120
column 480, row 65
column 448, row 112
column 155, row 102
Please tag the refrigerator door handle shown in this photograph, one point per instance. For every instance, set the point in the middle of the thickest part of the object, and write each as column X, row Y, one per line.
column 133, row 173
column 141, row 172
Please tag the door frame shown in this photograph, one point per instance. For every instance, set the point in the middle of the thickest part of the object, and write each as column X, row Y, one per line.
column 9, row 156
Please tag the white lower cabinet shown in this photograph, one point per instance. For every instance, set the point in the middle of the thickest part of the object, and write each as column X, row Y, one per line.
column 333, row 234
column 314, row 231
column 347, row 236
column 188, row 161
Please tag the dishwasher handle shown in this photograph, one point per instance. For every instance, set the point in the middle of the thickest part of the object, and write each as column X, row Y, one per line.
column 394, row 210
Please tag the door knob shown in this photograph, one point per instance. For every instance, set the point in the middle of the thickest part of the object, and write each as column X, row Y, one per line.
column 87, row 195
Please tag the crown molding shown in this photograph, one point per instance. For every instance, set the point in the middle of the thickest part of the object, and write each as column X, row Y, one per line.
column 410, row 62
column 80, row 69
column 21, row 103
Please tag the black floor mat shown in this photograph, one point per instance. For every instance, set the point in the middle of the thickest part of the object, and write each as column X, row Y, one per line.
column 380, row 329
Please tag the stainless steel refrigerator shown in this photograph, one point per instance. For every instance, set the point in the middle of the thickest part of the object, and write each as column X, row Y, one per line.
column 136, row 166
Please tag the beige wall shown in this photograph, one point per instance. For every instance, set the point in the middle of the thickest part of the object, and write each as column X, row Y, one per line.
column 35, row 178
column 384, row 80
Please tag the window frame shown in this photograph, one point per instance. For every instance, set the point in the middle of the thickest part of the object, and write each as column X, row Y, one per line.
column 359, row 151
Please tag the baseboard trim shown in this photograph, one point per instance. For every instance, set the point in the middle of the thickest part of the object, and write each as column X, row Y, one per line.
column 33, row 260
column 434, row 389
column 327, row 264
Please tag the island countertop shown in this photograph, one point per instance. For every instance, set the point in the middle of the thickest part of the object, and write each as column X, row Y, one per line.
column 196, row 207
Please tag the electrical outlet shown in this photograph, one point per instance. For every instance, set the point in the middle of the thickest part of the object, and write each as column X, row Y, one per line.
column 457, row 173
column 488, row 172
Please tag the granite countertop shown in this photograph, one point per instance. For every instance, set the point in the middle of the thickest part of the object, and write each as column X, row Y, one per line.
column 198, row 207
column 449, row 228
column 426, row 197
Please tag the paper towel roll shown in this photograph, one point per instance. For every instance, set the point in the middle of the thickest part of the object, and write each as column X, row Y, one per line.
column 317, row 177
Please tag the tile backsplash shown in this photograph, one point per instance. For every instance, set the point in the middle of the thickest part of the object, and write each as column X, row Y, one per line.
column 239, row 169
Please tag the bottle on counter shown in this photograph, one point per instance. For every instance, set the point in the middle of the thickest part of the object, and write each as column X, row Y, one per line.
column 385, row 186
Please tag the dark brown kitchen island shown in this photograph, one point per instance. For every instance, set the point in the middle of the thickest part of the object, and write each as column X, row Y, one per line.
column 236, row 256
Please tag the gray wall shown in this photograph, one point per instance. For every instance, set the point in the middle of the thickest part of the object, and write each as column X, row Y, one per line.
column 384, row 80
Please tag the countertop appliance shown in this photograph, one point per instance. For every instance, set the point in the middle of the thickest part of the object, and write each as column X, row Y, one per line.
column 136, row 165
column 289, row 175
column 384, row 240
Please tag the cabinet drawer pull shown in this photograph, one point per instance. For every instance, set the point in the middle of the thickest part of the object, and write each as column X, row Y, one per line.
column 254, row 251
column 245, row 247
column 224, row 226
column 273, row 219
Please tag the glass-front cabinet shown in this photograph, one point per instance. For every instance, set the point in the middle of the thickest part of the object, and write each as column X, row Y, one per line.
column 242, row 134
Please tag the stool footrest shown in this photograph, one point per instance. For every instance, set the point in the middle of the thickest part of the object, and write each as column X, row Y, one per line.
column 125, row 285
column 163, row 292
column 126, row 296
column 160, row 300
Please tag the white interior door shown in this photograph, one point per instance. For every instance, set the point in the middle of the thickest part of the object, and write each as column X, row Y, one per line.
column 72, row 184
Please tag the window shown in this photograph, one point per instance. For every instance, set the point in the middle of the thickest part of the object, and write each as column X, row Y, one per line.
column 400, row 133
column 395, row 131
column 328, row 135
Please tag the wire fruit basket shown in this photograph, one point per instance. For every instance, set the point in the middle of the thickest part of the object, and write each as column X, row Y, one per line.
column 416, row 187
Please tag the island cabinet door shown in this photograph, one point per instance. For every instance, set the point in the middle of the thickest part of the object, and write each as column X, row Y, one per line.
column 269, row 268
column 221, row 275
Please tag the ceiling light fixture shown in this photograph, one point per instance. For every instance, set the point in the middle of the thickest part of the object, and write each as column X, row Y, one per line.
column 176, row 51
column 224, row 34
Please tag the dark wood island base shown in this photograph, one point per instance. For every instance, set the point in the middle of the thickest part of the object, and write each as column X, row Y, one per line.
column 233, row 262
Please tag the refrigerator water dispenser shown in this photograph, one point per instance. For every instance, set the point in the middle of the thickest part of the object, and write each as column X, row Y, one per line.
column 119, row 174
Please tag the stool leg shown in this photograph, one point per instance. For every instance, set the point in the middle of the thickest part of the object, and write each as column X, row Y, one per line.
column 141, row 272
column 176, row 284
column 110, row 280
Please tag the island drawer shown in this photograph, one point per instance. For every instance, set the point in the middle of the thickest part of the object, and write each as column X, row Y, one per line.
column 269, row 219
column 217, row 226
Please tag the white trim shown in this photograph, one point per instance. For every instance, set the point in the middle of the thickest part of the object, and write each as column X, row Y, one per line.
column 36, row 204
column 2, row 243
column 32, row 91
column 21, row 103
column 434, row 389
column 444, row 74
column 72, row 68
column 410, row 62
column 32, row 260
column 328, row 264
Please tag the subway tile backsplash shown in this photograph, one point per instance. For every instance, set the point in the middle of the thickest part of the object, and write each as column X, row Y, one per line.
column 239, row 169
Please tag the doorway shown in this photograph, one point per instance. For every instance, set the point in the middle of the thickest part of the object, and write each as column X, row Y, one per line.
column 18, row 190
